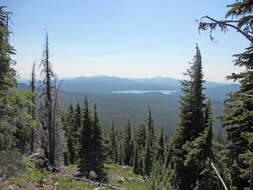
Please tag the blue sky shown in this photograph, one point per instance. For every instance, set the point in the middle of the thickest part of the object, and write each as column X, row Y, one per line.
column 126, row 38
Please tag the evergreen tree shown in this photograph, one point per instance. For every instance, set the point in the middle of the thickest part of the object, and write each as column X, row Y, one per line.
column 120, row 155
column 239, row 105
column 98, row 149
column 142, row 166
column 190, row 127
column 132, row 152
column 128, row 145
column 200, row 154
column 148, row 161
column 136, row 168
column 161, row 149
column 141, row 136
column 238, row 119
column 70, row 135
column 114, row 149
column 72, row 126
column 85, row 141
column 13, row 119
column 159, row 178
column 151, row 128
column 76, row 127
column 152, row 144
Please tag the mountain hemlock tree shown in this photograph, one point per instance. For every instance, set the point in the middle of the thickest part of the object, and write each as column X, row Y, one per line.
column 128, row 145
column 161, row 148
column 70, row 135
column 98, row 150
column 148, row 161
column 76, row 129
column 191, row 126
column 238, row 116
column 152, row 144
column 136, row 167
column 113, row 145
column 13, row 119
column 85, row 141
column 200, row 154
column 141, row 136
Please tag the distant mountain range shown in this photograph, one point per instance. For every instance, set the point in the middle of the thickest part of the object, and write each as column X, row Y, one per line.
column 119, row 107
column 107, row 84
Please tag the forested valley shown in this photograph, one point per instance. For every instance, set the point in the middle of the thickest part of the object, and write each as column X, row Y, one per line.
column 46, row 146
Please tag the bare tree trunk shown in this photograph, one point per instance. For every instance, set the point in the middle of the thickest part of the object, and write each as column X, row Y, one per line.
column 48, row 94
column 32, row 86
column 220, row 178
column 49, row 107
column 58, row 131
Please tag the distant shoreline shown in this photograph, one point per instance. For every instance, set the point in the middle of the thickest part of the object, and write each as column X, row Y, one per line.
column 165, row 92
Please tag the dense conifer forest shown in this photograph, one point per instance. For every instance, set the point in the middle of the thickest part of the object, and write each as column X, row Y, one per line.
column 41, row 140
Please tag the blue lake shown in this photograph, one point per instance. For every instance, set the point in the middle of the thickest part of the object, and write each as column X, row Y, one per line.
column 166, row 92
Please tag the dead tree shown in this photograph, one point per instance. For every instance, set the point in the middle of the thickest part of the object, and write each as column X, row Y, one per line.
column 50, row 93
column 33, row 109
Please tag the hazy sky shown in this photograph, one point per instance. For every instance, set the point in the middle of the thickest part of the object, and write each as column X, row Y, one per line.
column 127, row 38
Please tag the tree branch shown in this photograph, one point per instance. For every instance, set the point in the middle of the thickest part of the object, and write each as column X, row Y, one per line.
column 227, row 23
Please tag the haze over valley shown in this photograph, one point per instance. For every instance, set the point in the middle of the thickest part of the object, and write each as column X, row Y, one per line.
column 120, row 99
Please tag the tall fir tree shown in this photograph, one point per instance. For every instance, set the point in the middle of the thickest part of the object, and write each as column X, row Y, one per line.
column 238, row 119
column 148, row 161
column 128, row 144
column 152, row 143
column 13, row 119
column 199, row 154
column 85, row 141
column 239, row 105
column 141, row 135
column 113, row 145
column 77, row 126
column 98, row 149
column 70, row 134
column 190, row 127
column 136, row 167
column 161, row 148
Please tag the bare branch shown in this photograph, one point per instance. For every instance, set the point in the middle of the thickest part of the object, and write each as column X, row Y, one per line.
column 222, row 24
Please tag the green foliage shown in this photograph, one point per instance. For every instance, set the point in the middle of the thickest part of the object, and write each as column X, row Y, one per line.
column 85, row 141
column 136, row 167
column 161, row 148
column 98, row 149
column 128, row 145
column 238, row 117
column 92, row 153
column 159, row 178
column 116, row 172
column 15, row 122
column 190, row 147
column 12, row 164
column 148, row 161
column 113, row 152
column 141, row 136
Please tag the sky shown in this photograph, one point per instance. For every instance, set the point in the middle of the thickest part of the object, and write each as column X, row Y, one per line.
column 124, row 38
